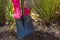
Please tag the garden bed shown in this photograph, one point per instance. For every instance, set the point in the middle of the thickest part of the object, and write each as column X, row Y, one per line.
column 41, row 33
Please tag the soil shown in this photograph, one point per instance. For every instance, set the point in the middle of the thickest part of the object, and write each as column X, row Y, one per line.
column 38, row 35
column 41, row 33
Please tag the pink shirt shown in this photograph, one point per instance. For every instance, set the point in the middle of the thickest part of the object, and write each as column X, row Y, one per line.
column 17, row 10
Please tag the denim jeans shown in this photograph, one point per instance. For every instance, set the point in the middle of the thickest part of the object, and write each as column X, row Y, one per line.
column 26, row 29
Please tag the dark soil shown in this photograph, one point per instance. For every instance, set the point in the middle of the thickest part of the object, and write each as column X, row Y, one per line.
column 42, row 33
column 38, row 35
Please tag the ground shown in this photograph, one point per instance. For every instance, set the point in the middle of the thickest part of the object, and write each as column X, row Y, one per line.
column 38, row 35
column 41, row 33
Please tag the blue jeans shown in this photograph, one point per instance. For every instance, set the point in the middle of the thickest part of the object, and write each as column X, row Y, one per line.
column 26, row 29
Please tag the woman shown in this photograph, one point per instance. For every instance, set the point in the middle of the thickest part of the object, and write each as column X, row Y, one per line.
column 24, row 25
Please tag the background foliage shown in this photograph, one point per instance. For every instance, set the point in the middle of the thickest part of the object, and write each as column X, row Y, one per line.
column 42, row 9
column 46, row 9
